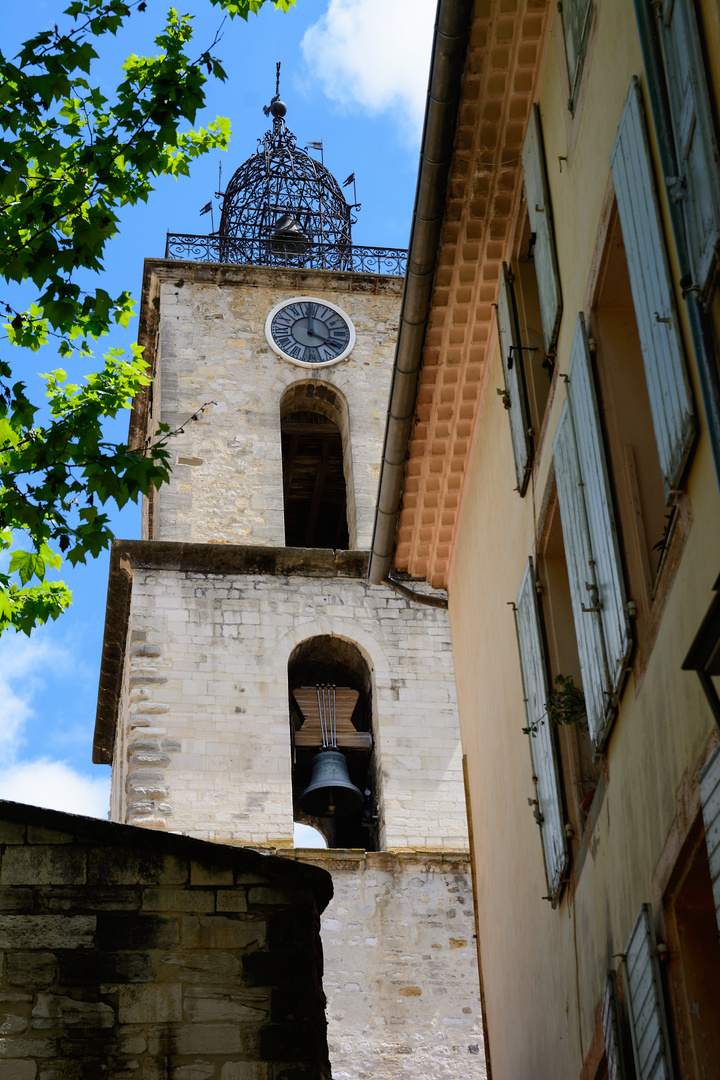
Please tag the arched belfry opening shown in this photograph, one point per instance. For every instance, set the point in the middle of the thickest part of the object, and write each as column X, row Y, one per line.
column 316, row 466
column 327, row 673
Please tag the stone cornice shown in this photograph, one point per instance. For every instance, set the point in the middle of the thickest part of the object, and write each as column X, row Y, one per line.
column 126, row 556
column 500, row 82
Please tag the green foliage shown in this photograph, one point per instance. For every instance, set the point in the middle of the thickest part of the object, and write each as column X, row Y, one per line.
column 71, row 158
column 565, row 705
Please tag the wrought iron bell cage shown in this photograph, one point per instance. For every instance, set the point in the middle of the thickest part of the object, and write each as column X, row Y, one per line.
column 284, row 208
column 282, row 202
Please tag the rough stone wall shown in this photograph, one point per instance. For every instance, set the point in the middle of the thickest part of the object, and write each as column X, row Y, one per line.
column 203, row 745
column 400, row 967
column 127, row 954
column 226, row 485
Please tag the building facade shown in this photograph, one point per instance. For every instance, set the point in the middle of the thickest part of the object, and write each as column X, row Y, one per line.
column 555, row 404
column 246, row 608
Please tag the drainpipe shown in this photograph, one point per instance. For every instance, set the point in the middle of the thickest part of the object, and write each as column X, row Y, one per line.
column 450, row 42
column 701, row 329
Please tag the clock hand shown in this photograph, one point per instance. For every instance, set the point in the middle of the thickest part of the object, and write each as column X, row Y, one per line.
column 310, row 320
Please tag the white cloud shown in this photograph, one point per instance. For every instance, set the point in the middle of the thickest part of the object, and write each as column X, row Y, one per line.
column 25, row 666
column 57, row 786
column 374, row 55
column 307, row 837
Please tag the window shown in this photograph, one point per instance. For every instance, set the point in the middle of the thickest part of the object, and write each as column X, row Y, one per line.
column 697, row 184
column 693, row 975
column 579, row 771
column 577, row 16
column 317, row 477
column 529, row 308
column 539, row 364
column 644, row 518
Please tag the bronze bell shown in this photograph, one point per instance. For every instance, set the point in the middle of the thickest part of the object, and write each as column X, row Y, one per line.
column 288, row 240
column 330, row 793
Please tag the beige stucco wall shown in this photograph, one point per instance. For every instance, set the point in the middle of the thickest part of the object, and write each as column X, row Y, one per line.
column 211, row 348
column 544, row 969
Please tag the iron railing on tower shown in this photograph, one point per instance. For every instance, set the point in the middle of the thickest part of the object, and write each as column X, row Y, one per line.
column 256, row 251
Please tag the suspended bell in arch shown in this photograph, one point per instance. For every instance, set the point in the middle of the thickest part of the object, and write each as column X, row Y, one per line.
column 331, row 792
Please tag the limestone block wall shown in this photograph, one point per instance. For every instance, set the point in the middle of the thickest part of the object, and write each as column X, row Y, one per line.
column 202, row 737
column 124, row 953
column 401, row 974
column 226, row 485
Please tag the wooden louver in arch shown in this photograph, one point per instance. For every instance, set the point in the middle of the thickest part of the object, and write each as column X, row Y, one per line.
column 541, row 224
column 668, row 386
column 697, row 185
column 542, row 745
column 710, row 799
column 592, row 551
column 515, row 399
column 648, row 1024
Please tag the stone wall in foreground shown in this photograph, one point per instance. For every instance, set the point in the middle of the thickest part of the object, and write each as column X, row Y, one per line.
column 401, row 974
column 126, row 953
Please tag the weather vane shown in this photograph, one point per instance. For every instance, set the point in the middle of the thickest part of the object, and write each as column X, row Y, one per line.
column 276, row 106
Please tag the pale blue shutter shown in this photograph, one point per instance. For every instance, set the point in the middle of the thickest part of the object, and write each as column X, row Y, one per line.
column 591, row 545
column 663, row 356
column 514, row 373
column 697, row 187
column 710, row 799
column 581, row 574
column 645, row 1003
column 541, row 223
column 612, row 1030
column 542, row 746
column 598, row 506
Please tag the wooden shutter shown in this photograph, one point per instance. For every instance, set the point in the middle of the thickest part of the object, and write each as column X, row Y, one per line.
column 542, row 746
column 710, row 799
column 514, row 374
column 541, row 223
column 663, row 356
column 697, row 186
column 580, row 566
column 576, row 20
column 612, row 1030
column 591, row 546
column 645, row 1003
column 598, row 505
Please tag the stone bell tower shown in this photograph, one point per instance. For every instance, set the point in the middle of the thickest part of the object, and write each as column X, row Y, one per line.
column 245, row 608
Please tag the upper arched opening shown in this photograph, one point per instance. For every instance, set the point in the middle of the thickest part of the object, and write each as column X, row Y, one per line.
column 315, row 450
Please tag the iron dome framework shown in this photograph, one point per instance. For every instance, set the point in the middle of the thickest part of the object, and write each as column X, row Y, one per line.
column 282, row 207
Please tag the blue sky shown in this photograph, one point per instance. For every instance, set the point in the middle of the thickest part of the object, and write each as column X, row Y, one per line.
column 354, row 75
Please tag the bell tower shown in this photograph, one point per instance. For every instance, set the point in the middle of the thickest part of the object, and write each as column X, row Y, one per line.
column 252, row 678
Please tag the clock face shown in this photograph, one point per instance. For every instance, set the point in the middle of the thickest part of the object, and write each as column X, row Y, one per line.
column 310, row 332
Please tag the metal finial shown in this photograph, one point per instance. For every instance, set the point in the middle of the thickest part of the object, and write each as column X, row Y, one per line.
column 277, row 107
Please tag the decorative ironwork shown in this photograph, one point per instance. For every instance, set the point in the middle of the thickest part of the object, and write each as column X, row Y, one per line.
column 284, row 208
column 260, row 252
column 281, row 190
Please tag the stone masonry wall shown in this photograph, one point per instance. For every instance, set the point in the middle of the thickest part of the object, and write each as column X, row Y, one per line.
column 401, row 973
column 226, row 485
column 137, row 956
column 203, row 743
